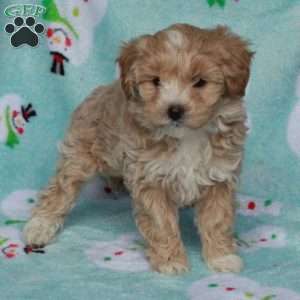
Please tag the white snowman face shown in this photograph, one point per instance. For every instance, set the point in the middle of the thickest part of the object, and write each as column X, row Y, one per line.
column 59, row 40
column 266, row 236
column 10, row 243
column 123, row 254
column 79, row 12
column 17, row 205
column 234, row 287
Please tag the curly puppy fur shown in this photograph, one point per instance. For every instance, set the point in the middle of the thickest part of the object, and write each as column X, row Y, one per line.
column 173, row 128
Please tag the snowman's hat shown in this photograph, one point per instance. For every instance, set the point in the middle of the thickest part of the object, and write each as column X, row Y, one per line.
column 28, row 112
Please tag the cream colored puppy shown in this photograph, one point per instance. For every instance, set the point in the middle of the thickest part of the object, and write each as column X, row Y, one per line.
column 173, row 128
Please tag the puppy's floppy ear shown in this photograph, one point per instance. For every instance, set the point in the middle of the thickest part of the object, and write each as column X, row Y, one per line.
column 128, row 61
column 234, row 58
column 128, row 56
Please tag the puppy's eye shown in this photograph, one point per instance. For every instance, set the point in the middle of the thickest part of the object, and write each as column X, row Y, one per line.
column 200, row 83
column 156, row 81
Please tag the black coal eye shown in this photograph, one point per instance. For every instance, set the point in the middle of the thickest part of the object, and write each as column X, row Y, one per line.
column 156, row 81
column 200, row 83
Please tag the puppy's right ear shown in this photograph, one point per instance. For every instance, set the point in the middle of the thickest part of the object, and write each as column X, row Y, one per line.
column 128, row 56
column 128, row 61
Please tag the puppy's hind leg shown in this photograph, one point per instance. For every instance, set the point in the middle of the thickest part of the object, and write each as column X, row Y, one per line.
column 57, row 199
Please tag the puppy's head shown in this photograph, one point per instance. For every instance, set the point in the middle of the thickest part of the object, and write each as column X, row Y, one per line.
column 176, row 77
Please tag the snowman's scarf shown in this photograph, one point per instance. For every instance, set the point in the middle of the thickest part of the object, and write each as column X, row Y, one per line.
column 12, row 138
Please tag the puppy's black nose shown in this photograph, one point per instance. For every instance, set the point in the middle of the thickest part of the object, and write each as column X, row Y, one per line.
column 175, row 112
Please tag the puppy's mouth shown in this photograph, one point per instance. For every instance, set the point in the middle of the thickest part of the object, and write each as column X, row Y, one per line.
column 178, row 128
column 175, row 129
column 176, row 124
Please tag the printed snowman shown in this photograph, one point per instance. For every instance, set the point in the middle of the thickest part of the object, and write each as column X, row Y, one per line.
column 123, row 254
column 13, row 119
column 293, row 128
column 249, row 206
column 234, row 287
column 266, row 236
column 17, row 206
column 11, row 245
column 70, row 30
column 60, row 42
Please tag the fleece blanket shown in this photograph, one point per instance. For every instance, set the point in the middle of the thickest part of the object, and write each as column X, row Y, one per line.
column 52, row 54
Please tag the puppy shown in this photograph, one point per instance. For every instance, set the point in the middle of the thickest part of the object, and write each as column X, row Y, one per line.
column 173, row 128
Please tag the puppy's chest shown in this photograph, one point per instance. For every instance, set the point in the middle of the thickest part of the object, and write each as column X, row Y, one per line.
column 184, row 170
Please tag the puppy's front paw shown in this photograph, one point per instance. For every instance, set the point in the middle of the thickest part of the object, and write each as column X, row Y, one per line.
column 228, row 263
column 39, row 231
column 172, row 267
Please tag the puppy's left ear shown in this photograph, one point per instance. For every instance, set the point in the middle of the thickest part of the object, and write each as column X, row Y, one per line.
column 128, row 61
column 234, row 58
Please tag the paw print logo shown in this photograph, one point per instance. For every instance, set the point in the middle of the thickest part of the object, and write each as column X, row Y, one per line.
column 24, row 31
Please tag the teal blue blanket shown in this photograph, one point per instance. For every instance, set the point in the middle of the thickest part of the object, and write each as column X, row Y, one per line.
column 50, row 67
